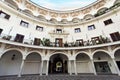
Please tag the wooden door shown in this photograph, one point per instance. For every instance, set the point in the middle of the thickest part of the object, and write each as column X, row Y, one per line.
column 58, row 42
column 19, row 38
column 37, row 41
column 115, row 36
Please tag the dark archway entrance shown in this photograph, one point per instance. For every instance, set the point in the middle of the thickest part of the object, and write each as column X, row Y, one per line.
column 117, row 58
column 101, row 62
column 58, row 64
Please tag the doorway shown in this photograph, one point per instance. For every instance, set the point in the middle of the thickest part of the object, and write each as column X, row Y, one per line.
column 118, row 64
column 115, row 36
column 19, row 38
column 58, row 42
column 58, row 64
column 102, row 67
column 37, row 41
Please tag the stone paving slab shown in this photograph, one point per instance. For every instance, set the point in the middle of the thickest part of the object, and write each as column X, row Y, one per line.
column 62, row 77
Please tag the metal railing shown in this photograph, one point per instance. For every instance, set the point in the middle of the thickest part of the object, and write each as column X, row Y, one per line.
column 54, row 44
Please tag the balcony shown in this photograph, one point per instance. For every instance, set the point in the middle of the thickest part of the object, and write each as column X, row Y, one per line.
column 53, row 32
column 8, row 39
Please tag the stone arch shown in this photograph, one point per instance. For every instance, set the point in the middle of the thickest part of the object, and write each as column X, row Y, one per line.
column 10, row 50
column 32, row 63
column 10, row 62
column 100, row 50
column 82, row 52
column 12, row 3
column 27, row 12
column 83, row 64
column 58, row 53
column 102, row 10
column 64, row 21
column 41, row 17
column 114, row 51
column 117, row 56
column 58, row 63
column 34, row 52
column 88, row 17
column 117, row 53
column 117, row 2
column 103, row 62
column 75, row 20
column 53, row 20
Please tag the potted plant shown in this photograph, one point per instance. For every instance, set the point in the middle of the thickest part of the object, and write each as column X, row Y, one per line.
column 45, row 42
column 66, row 44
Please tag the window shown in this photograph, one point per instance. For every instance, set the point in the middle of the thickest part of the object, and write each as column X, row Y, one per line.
column 1, row 30
column 79, row 42
column 91, row 27
column 95, row 40
column 58, row 30
column 38, row 28
column 37, row 41
column 23, row 23
column 77, row 30
column 107, row 22
column 4, row 15
column 115, row 36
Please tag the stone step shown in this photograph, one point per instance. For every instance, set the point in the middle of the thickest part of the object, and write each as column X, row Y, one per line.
column 62, row 77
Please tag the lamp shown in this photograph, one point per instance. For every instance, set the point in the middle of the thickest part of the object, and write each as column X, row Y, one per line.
column 99, row 58
column 13, row 57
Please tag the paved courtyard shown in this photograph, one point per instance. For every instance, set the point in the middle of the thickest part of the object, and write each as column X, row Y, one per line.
column 62, row 77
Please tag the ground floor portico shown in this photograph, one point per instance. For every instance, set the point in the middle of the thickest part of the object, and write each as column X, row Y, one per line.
column 24, row 61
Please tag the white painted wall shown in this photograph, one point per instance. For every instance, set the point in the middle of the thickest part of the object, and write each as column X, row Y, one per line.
column 82, row 67
column 8, row 66
column 31, row 68
column 32, row 64
column 16, row 18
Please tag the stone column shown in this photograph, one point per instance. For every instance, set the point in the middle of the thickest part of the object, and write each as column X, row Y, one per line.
column 116, row 67
column 93, row 67
column 47, row 66
column 63, row 66
column 21, row 68
column 2, row 48
column 75, row 67
column 41, row 67
column 69, row 67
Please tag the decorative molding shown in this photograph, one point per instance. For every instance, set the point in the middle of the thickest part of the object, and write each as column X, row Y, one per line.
column 54, row 15
column 85, row 11
column 64, row 15
column 8, row 46
column 19, row 1
column 75, row 14
column 30, row 6
column 100, row 4
column 33, row 49
column 43, row 12
column 114, row 47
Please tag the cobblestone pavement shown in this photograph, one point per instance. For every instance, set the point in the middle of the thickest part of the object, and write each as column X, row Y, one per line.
column 62, row 77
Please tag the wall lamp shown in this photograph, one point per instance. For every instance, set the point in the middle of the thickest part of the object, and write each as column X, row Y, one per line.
column 13, row 57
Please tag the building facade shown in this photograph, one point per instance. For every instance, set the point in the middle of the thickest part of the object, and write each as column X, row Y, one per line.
column 37, row 40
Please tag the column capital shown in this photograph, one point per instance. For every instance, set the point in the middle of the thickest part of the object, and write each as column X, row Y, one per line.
column 91, row 59
column 71, row 60
column 45, row 60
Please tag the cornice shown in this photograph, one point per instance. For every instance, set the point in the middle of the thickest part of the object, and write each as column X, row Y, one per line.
column 47, row 22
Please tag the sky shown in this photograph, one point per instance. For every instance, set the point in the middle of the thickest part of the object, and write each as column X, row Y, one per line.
column 63, row 4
